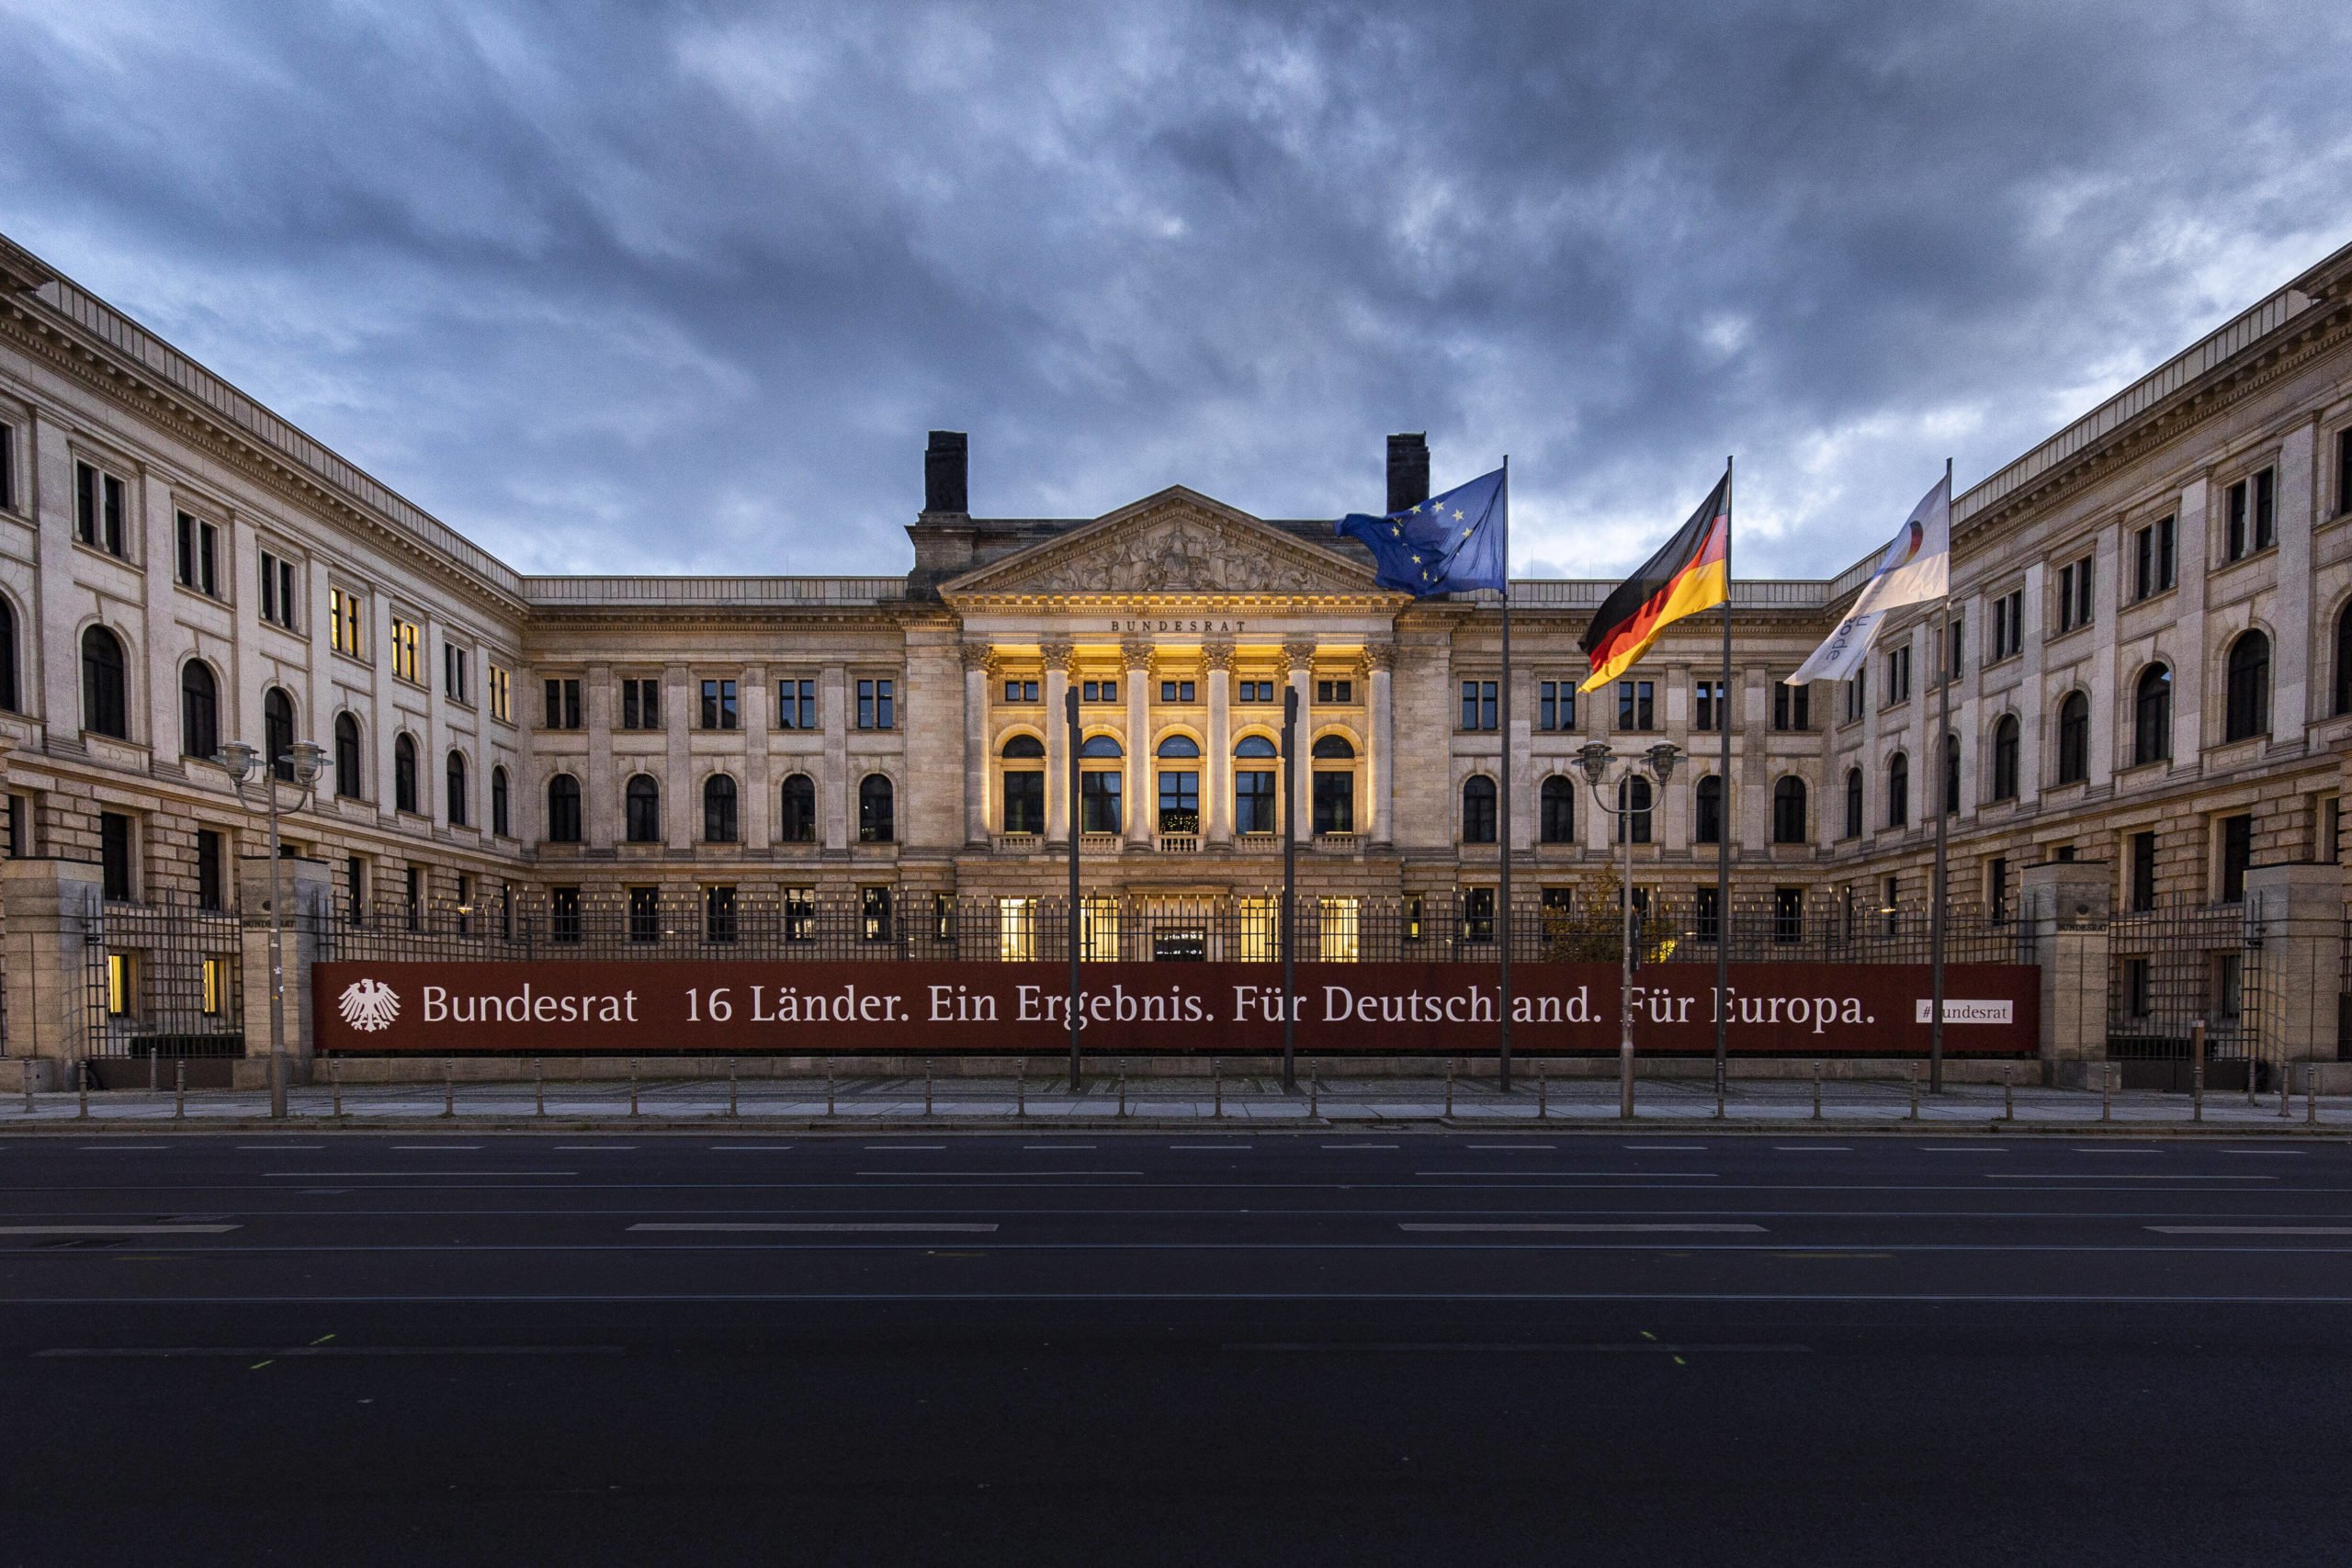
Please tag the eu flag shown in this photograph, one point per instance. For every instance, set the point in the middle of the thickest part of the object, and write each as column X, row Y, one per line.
column 1449, row 543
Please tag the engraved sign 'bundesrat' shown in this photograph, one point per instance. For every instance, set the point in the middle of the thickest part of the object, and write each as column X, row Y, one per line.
column 749, row 1007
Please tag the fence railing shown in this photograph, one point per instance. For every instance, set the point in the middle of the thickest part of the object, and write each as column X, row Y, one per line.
column 2179, row 964
column 163, row 980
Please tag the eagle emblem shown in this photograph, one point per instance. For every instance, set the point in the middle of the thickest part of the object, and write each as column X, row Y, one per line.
column 369, row 1005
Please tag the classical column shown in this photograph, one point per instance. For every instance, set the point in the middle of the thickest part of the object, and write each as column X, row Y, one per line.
column 980, row 667
column 1299, row 674
column 1217, row 767
column 599, row 785
column 1136, row 661
column 755, row 704
column 833, row 785
column 681, row 807
column 1059, row 809
column 1519, row 756
column 1379, row 658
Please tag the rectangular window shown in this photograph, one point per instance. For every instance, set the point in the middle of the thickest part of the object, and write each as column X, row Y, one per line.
column 2237, row 856
column 1098, row 798
column 7, row 468
column 1898, row 675
column 342, row 622
column 502, row 693
column 1706, row 704
column 2008, row 625
column 2343, row 472
column 211, row 888
column 1341, row 694
column 1858, row 695
column 877, row 703
column 873, row 913
column 2075, row 595
column 416, row 898
column 1253, row 692
column 718, row 914
column 277, row 595
column 122, row 983
column 2266, row 509
column 20, row 822
column 563, row 914
column 799, row 914
column 1478, row 705
column 796, row 704
column 98, row 508
column 200, row 554
column 562, row 704
column 1088, row 692
column 1792, row 707
column 405, row 637
column 1477, row 914
column 114, row 832
column 355, row 891
column 2135, row 987
column 1253, row 801
column 641, row 703
column 1636, row 706
column 2144, row 871
column 719, row 705
column 2152, row 571
column 1176, row 691
column 1555, row 706
column 645, row 913
column 1018, row 692
column 455, row 682
column 2252, row 506
column 1955, row 647
column 1334, row 798
column 215, row 982
column 1788, row 914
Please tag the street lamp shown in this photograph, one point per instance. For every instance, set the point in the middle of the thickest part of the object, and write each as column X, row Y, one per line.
column 304, row 760
column 1659, row 761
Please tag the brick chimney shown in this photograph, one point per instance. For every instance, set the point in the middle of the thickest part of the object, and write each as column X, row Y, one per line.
column 1409, row 470
column 945, row 473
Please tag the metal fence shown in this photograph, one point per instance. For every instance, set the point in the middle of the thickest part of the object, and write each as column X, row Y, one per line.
column 163, row 980
column 1456, row 926
column 2176, row 965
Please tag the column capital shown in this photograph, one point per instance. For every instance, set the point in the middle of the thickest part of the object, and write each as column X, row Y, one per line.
column 1135, row 653
column 1217, row 655
column 978, row 655
column 1059, row 655
column 1380, row 656
column 1299, row 656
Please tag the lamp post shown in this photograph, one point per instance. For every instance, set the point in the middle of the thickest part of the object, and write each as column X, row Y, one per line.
column 304, row 761
column 1659, row 761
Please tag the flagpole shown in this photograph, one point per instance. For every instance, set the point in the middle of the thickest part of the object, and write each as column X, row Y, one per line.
column 1503, row 1062
column 1722, row 834
column 1290, row 884
column 1944, row 804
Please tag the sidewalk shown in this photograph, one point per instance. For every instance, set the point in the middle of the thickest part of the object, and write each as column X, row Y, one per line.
column 1001, row 1103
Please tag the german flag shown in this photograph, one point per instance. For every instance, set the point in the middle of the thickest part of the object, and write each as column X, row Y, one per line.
column 1683, row 579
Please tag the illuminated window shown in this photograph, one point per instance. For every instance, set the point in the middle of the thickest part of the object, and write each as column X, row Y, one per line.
column 404, row 645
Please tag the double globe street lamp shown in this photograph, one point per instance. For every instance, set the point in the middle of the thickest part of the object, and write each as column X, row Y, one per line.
column 1658, row 762
column 303, row 762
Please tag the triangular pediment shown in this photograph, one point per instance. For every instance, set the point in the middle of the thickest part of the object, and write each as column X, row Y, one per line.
column 1178, row 543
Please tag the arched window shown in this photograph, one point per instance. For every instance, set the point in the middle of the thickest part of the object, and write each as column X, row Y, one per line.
column 1254, row 798
column 1332, row 785
column 564, row 810
column 500, row 822
column 1179, row 745
column 1021, row 808
column 346, row 756
column 1898, row 790
column 404, row 774
column 1557, row 810
column 799, row 823
column 278, row 731
column 1101, row 790
column 8, row 697
column 2005, row 734
column 1707, row 819
column 1952, row 775
column 1333, row 748
column 876, row 816
column 2249, row 687
column 2152, row 715
column 2073, row 737
column 2343, row 655
column 641, row 809
column 718, row 809
column 1853, row 803
column 200, row 710
column 1634, row 810
column 453, row 774
column 1788, row 810
column 1100, row 746
column 104, row 709
column 1479, row 811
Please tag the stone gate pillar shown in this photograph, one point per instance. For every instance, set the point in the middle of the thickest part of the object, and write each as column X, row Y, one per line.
column 2298, row 910
column 2067, row 902
column 306, row 887
column 48, row 904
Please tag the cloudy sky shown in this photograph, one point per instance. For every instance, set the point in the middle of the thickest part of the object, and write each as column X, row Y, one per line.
column 671, row 288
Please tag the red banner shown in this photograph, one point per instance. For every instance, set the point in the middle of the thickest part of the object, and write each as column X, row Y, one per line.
column 747, row 1008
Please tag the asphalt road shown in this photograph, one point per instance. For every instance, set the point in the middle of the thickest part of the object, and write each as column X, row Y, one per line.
column 1224, row 1347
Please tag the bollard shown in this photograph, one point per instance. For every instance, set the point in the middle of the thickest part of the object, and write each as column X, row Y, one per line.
column 2197, row 1071
column 1543, row 1103
column 632, row 1086
column 2106, row 1092
column 1019, row 1095
column 179, row 1090
column 1915, row 1091
column 2311, row 1094
column 1449, row 1087
column 82, row 1096
column 2249, row 1074
column 1122, row 1091
column 734, row 1102
column 2009, row 1092
column 334, row 1086
column 1217, row 1084
column 1816, row 1092
column 829, row 1085
column 1314, row 1098
column 1719, row 1097
column 2286, row 1082
column 539, row 1085
column 155, row 1066
column 450, row 1086
column 926, row 1086
column 29, row 1086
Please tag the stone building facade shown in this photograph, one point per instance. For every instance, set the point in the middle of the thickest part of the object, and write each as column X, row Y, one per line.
column 2149, row 613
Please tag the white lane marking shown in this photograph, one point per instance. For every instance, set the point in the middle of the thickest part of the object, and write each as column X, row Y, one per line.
column 594, row 1148
column 114, row 1230
column 1612, row 1229
column 436, row 1148
column 2251, row 1230
column 311, row 1175
column 2292, row 1154
column 1815, row 1148
column 2103, row 1176
column 902, row 1148
column 1000, row 1173
column 1628, row 1175
column 1358, row 1145
column 1226, row 1147
column 1670, row 1148
column 841, row 1226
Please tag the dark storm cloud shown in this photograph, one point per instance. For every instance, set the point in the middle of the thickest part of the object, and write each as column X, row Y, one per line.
column 676, row 288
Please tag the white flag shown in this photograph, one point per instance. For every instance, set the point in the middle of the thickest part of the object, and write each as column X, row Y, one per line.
column 1916, row 567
